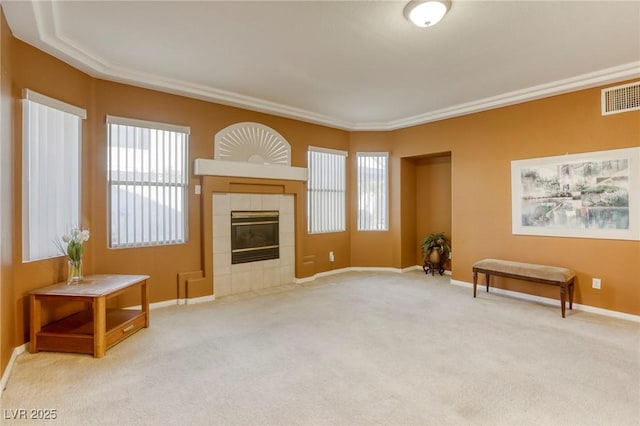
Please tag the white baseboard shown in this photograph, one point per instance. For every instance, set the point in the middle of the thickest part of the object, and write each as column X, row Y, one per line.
column 320, row 275
column 359, row 269
column 162, row 304
column 201, row 299
column 548, row 301
column 7, row 372
column 412, row 268
column 374, row 269
column 174, row 302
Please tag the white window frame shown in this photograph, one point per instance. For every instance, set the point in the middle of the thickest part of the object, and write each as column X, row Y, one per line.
column 51, row 173
column 373, row 198
column 136, row 230
column 326, row 199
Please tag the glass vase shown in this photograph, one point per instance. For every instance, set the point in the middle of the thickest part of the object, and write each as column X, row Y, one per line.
column 74, row 271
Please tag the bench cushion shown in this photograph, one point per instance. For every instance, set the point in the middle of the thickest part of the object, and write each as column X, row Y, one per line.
column 543, row 272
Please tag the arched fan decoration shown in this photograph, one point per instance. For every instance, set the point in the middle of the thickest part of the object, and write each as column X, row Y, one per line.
column 253, row 143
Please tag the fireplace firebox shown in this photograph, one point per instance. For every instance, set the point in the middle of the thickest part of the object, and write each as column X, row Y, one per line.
column 254, row 236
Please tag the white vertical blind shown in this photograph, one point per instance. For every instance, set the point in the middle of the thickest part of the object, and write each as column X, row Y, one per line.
column 148, row 182
column 51, row 177
column 326, row 191
column 373, row 191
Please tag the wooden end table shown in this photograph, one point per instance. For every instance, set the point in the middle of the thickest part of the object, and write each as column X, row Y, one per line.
column 91, row 331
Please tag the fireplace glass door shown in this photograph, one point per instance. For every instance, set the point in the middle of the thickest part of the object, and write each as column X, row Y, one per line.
column 254, row 236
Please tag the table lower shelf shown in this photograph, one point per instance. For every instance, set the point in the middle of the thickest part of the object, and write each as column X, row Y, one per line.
column 75, row 333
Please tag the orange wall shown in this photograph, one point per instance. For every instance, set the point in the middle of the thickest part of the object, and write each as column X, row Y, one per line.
column 482, row 147
column 7, row 311
column 433, row 198
column 370, row 248
column 410, row 214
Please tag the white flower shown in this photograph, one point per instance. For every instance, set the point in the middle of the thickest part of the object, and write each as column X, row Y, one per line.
column 74, row 244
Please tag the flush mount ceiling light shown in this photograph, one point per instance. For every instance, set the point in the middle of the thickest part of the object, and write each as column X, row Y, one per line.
column 426, row 13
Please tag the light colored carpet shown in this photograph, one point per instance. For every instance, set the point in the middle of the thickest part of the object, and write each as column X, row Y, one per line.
column 356, row 348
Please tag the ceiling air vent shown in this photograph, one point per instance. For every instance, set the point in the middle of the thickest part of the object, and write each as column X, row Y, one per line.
column 621, row 98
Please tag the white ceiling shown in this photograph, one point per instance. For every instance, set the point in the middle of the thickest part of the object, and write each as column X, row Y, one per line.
column 357, row 65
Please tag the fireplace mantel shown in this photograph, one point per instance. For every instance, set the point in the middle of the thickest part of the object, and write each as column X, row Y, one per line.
column 210, row 167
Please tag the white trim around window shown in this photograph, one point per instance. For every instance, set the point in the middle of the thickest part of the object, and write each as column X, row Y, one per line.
column 51, row 173
column 41, row 99
column 328, row 150
column 134, row 122
column 147, row 174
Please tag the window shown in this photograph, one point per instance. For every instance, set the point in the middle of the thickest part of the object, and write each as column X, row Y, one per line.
column 51, row 177
column 326, row 190
column 147, row 176
column 373, row 191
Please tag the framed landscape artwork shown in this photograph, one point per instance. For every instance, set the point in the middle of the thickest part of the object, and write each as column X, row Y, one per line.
column 590, row 195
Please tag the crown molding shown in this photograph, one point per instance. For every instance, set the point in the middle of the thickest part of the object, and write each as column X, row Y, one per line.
column 44, row 14
column 580, row 82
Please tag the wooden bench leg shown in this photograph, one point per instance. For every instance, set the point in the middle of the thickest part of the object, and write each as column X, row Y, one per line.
column 475, row 282
column 563, row 297
column 487, row 279
column 571, row 294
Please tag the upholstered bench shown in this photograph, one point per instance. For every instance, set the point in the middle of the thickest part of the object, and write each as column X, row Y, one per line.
column 544, row 274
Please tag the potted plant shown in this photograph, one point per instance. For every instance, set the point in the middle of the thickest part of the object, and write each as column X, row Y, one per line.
column 436, row 251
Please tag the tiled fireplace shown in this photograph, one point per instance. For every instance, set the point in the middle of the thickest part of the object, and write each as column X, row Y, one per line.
column 251, row 172
column 239, row 278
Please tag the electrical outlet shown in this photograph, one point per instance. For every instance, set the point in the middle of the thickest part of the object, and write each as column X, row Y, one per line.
column 198, row 189
column 450, row 253
column 331, row 257
column 596, row 283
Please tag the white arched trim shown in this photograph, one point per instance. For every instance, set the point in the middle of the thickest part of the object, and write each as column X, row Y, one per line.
column 250, row 150
column 252, row 143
